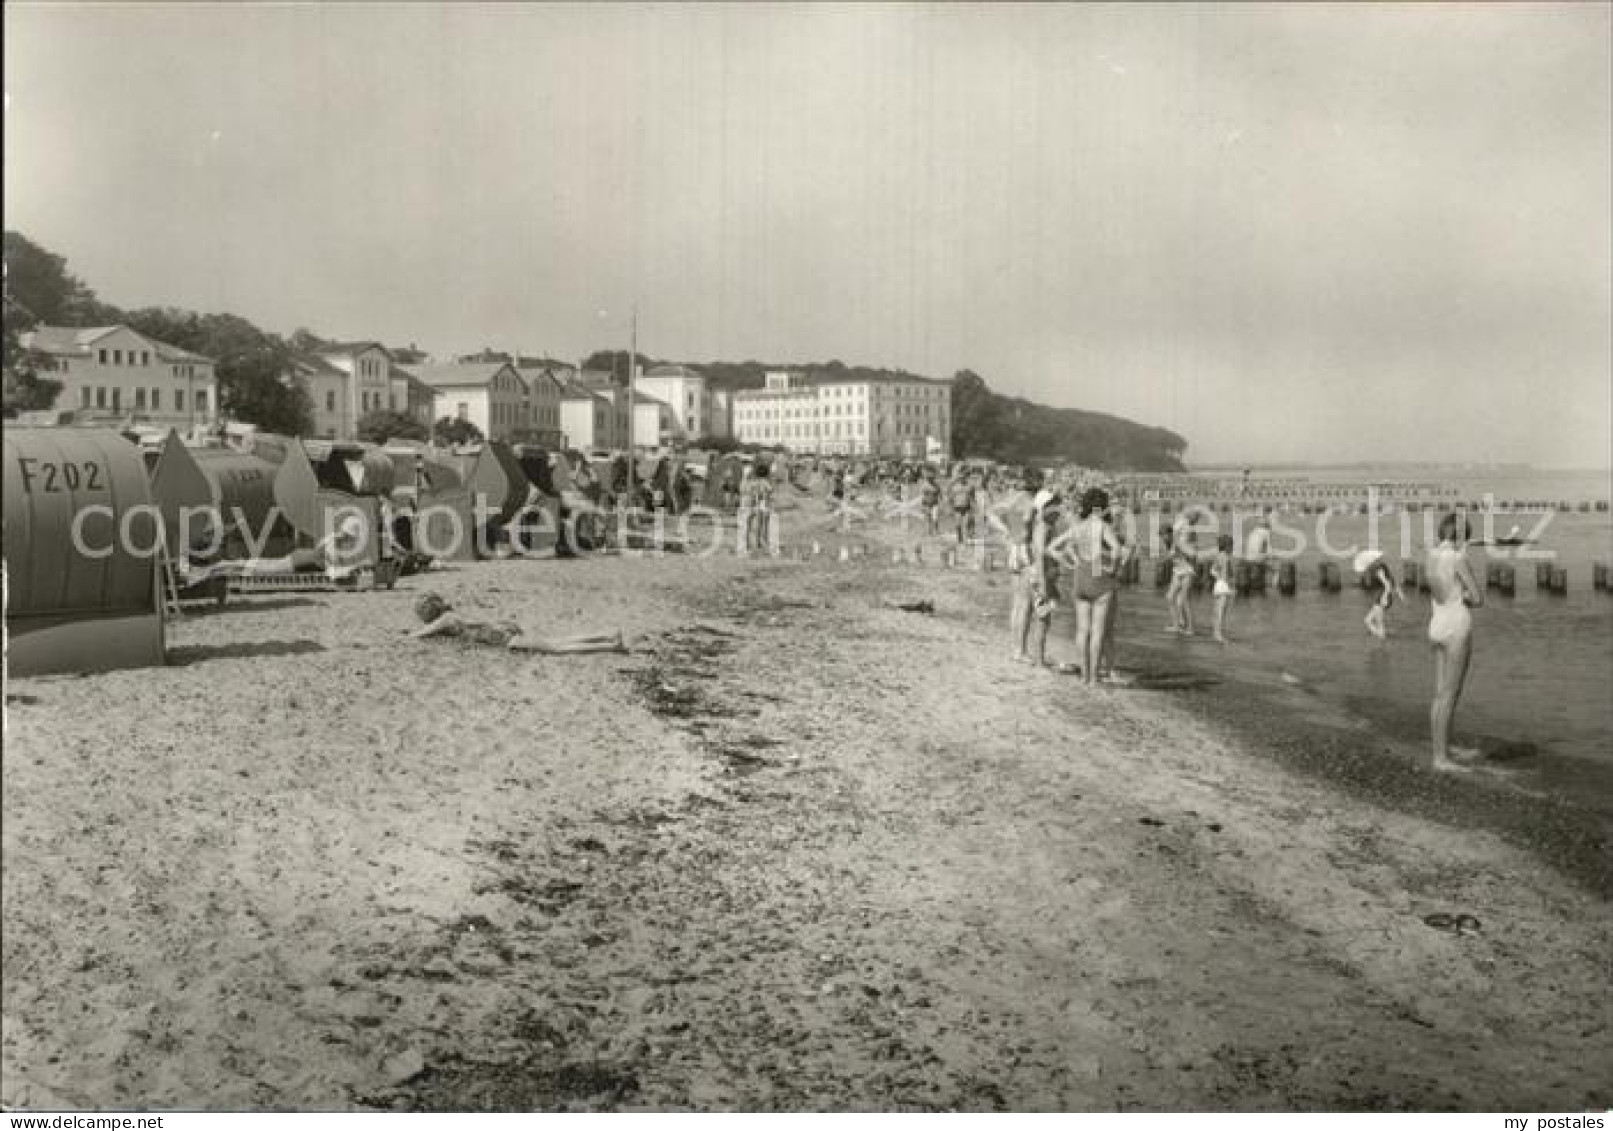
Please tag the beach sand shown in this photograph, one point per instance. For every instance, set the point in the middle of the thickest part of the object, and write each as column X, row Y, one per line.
column 797, row 850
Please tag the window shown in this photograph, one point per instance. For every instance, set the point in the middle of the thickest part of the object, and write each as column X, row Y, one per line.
column 102, row 357
column 139, row 398
column 330, row 400
column 100, row 396
column 464, row 411
column 84, row 395
column 201, row 401
column 156, row 400
column 117, row 357
column 179, row 400
column 117, row 399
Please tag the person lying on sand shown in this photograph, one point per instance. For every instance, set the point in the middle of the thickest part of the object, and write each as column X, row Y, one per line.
column 442, row 622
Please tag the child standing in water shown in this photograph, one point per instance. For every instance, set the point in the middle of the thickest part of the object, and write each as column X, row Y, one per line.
column 1378, row 577
column 1221, row 571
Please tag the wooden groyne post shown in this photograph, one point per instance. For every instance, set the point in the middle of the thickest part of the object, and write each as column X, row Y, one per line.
column 1287, row 579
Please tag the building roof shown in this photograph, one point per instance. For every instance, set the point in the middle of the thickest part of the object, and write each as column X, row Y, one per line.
column 351, row 349
column 314, row 365
column 63, row 339
column 398, row 373
column 461, row 375
column 672, row 371
column 875, row 379
column 814, row 380
column 598, row 379
column 75, row 341
column 539, row 373
column 173, row 353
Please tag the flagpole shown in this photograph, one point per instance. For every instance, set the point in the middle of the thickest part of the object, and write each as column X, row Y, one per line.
column 632, row 403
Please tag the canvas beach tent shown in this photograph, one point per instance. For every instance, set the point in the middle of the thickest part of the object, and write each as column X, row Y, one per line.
column 82, row 546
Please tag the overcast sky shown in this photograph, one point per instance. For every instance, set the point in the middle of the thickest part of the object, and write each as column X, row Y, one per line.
column 1288, row 232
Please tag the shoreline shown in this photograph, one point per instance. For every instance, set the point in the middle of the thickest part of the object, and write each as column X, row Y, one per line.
column 1354, row 754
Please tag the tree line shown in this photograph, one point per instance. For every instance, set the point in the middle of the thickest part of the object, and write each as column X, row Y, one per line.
column 250, row 365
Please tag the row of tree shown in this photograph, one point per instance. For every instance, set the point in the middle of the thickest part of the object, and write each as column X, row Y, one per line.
column 250, row 364
column 989, row 425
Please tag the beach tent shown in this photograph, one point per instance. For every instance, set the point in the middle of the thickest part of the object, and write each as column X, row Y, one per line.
column 501, row 458
column 698, row 462
column 536, row 467
column 316, row 512
column 84, row 590
column 235, row 486
column 647, row 467
column 730, row 468
column 537, row 525
column 494, row 475
column 432, row 499
column 616, row 482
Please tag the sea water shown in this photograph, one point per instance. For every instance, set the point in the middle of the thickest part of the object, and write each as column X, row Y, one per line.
column 1539, row 694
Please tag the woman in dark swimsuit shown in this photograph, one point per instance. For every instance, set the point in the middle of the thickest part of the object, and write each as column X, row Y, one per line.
column 1095, row 551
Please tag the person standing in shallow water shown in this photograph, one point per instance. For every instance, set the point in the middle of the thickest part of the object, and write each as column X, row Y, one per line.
column 1453, row 590
column 1221, row 571
column 1380, row 578
column 1184, row 561
column 1094, row 552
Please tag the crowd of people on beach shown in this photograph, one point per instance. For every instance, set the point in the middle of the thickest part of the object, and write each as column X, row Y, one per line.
column 1070, row 541
column 1068, row 547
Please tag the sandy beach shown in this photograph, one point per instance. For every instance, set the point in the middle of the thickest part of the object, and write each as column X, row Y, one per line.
column 797, row 849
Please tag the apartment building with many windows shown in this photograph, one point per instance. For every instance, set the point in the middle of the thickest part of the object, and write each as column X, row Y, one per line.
column 685, row 393
column 494, row 396
column 829, row 414
column 114, row 373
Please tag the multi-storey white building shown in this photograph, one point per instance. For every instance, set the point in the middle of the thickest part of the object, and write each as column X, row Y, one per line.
column 115, row 372
column 545, row 405
column 903, row 417
column 340, row 404
column 722, row 413
column 590, row 420
column 490, row 395
column 594, row 417
column 343, row 382
column 685, row 394
column 655, row 425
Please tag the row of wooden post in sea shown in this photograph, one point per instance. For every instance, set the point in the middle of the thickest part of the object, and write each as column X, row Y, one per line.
column 1251, row 577
column 1248, row 577
column 1384, row 506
